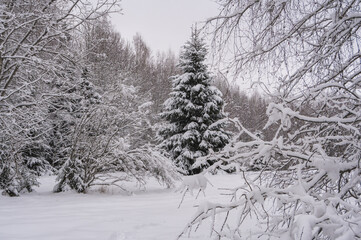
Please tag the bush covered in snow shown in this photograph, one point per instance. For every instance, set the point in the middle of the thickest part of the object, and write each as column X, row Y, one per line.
column 99, row 152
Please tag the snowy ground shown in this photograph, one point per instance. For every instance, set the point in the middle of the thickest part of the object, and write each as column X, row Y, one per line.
column 109, row 215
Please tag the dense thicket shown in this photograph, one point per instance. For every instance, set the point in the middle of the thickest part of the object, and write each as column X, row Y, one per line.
column 38, row 77
column 74, row 93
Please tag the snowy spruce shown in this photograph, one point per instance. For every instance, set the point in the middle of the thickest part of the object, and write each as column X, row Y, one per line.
column 194, row 111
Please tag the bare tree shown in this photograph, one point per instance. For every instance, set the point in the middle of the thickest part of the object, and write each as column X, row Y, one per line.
column 310, row 49
column 107, row 55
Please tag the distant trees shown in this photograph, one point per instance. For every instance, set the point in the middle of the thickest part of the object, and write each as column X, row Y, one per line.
column 247, row 105
column 105, row 54
column 194, row 111
column 310, row 49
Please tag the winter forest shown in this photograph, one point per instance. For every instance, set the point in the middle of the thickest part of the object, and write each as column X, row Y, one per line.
column 103, row 138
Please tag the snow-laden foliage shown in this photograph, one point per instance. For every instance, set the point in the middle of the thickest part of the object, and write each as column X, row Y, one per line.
column 310, row 188
column 35, row 39
column 194, row 115
column 101, row 153
column 76, row 96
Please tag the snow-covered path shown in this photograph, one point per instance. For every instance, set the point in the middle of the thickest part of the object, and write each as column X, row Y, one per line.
column 150, row 214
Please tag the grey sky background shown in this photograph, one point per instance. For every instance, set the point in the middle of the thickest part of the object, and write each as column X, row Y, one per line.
column 163, row 24
column 166, row 24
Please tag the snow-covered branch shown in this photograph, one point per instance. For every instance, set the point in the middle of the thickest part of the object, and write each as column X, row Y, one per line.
column 307, row 181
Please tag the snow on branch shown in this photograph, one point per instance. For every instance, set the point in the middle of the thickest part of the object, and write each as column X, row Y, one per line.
column 303, row 180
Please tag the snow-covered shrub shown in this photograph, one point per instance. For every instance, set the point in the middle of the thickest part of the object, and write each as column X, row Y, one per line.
column 23, row 148
column 99, row 153
column 315, row 196
column 15, row 176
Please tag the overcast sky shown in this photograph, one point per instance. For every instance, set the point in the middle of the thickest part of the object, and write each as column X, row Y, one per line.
column 163, row 24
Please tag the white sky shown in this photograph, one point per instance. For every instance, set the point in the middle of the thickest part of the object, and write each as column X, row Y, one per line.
column 163, row 24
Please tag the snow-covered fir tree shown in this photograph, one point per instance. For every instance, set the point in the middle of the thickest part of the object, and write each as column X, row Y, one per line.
column 195, row 120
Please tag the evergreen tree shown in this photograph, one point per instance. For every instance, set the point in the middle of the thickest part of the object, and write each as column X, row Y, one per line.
column 193, row 111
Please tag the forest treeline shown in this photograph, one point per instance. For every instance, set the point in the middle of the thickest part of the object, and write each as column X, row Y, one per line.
column 75, row 96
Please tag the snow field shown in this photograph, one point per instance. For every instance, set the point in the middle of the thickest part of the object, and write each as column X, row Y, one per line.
column 107, row 214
